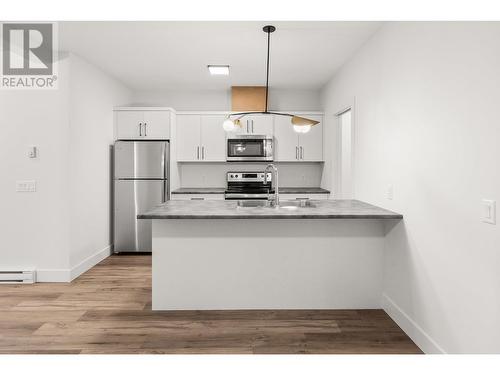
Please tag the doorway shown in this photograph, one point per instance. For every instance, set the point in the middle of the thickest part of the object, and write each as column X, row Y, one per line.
column 345, row 154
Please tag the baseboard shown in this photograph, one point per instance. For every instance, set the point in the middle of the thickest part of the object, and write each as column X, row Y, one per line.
column 66, row 275
column 423, row 340
column 60, row 275
column 90, row 262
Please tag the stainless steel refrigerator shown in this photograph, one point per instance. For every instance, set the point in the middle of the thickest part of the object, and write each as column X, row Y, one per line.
column 140, row 183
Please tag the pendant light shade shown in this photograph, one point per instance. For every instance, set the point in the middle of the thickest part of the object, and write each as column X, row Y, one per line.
column 229, row 125
column 300, row 124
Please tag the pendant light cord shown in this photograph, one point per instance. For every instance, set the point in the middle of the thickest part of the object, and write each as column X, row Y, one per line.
column 267, row 75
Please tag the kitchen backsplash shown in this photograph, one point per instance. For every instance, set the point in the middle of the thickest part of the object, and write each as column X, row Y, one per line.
column 214, row 174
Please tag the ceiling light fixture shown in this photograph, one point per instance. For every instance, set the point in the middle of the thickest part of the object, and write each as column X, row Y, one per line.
column 300, row 124
column 218, row 70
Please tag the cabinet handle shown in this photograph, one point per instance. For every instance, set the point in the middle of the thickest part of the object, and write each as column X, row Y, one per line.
column 202, row 152
column 301, row 153
column 248, row 126
column 140, row 129
column 252, row 126
column 301, row 199
column 145, row 129
column 297, row 152
column 198, row 199
column 198, row 152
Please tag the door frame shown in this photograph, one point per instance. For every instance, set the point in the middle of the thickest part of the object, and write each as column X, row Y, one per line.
column 348, row 106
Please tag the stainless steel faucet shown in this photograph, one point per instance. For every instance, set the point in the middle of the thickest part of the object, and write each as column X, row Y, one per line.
column 274, row 180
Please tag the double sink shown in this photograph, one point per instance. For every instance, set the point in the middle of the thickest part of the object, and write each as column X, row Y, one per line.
column 286, row 205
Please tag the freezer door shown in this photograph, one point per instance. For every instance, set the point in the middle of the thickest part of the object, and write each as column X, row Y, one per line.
column 133, row 197
column 140, row 159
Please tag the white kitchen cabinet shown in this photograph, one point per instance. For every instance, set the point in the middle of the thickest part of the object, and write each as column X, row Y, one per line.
column 293, row 197
column 311, row 143
column 197, row 197
column 142, row 124
column 128, row 124
column 258, row 124
column 188, row 137
column 213, row 138
column 156, row 124
column 292, row 146
column 286, row 140
column 200, row 138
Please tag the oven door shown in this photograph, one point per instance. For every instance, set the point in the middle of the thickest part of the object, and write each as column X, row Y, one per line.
column 249, row 149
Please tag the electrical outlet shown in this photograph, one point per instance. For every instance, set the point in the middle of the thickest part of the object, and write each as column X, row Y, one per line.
column 489, row 211
column 26, row 186
column 390, row 192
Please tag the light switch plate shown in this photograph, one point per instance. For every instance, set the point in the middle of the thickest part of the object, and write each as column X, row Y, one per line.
column 489, row 211
column 28, row 186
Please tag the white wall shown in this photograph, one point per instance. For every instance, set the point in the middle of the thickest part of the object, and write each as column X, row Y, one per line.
column 220, row 100
column 426, row 121
column 34, row 226
column 93, row 96
column 67, row 219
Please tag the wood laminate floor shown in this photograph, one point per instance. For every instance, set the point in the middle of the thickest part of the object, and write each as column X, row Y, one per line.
column 108, row 310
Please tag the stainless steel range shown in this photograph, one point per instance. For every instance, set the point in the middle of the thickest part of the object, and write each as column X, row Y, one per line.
column 248, row 185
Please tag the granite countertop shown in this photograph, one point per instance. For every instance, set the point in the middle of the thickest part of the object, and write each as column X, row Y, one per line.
column 212, row 209
column 282, row 190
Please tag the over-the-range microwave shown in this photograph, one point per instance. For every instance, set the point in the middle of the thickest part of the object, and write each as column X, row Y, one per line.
column 249, row 147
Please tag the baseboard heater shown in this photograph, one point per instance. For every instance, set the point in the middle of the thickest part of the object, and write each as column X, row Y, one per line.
column 17, row 277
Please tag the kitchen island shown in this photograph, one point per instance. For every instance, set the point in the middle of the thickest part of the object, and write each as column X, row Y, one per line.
column 219, row 255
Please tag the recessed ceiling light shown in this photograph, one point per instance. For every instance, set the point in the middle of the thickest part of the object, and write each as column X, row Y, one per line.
column 219, row 70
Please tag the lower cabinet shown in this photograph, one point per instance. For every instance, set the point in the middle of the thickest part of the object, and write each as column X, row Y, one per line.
column 292, row 197
column 197, row 197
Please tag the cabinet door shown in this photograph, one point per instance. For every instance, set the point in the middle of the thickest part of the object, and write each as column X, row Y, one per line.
column 311, row 143
column 156, row 125
column 188, row 138
column 213, row 138
column 259, row 124
column 286, row 140
column 127, row 124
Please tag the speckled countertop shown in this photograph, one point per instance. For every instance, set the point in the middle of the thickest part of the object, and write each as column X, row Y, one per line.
column 282, row 190
column 323, row 209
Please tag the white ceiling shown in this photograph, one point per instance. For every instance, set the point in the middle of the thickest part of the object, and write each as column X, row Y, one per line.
column 175, row 55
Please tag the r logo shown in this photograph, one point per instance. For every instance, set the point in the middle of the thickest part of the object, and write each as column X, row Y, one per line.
column 27, row 48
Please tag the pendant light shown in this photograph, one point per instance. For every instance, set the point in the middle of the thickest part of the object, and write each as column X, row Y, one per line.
column 300, row 124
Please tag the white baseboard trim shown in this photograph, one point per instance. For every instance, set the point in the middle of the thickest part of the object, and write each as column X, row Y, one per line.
column 90, row 262
column 66, row 275
column 423, row 340
column 60, row 275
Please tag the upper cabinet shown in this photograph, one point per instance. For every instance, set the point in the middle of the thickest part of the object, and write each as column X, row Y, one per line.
column 291, row 146
column 257, row 124
column 200, row 138
column 142, row 123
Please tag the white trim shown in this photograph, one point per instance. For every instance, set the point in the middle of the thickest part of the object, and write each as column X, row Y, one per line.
column 66, row 275
column 90, row 262
column 60, row 275
column 423, row 340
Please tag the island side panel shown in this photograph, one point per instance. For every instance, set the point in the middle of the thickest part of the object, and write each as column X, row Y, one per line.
column 203, row 264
